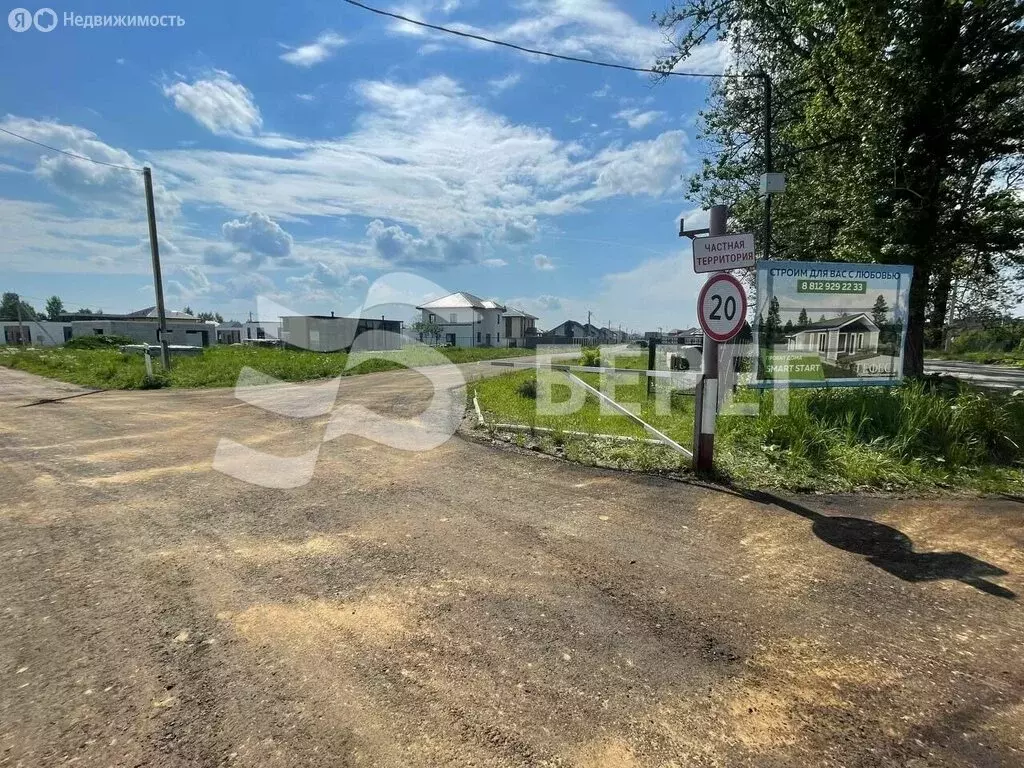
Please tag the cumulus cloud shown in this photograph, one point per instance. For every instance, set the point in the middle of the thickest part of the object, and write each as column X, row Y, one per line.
column 637, row 119
column 92, row 184
column 321, row 49
column 218, row 102
column 543, row 263
column 399, row 248
column 260, row 236
column 451, row 175
column 248, row 285
column 494, row 263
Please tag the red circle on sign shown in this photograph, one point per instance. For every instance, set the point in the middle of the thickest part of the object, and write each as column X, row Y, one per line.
column 705, row 322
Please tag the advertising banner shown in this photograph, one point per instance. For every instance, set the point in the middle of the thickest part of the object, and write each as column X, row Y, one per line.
column 830, row 323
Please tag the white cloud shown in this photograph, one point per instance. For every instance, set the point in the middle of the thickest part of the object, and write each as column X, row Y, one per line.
column 259, row 235
column 543, row 263
column 316, row 52
column 594, row 28
column 494, row 263
column 96, row 186
column 504, row 83
column 453, row 176
column 638, row 120
column 219, row 103
column 305, row 97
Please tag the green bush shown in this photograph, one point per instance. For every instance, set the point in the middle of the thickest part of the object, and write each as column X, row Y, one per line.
column 98, row 342
column 590, row 357
column 528, row 388
column 1002, row 338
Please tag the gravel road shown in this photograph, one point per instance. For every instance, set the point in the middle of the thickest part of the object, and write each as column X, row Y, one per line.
column 474, row 606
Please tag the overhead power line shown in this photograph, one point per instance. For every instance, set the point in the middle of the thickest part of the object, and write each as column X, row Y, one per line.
column 69, row 154
column 524, row 49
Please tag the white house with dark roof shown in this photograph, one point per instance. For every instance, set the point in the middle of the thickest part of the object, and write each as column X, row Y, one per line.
column 465, row 320
column 836, row 337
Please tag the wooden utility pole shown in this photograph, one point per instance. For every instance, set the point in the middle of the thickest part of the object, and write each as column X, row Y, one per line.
column 767, row 80
column 705, row 409
column 158, row 281
column 21, row 324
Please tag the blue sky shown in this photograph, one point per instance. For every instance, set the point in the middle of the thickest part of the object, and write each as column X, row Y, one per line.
column 306, row 151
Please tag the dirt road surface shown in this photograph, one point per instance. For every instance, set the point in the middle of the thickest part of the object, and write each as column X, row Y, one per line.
column 471, row 606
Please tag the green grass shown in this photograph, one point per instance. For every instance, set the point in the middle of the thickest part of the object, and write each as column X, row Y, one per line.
column 919, row 436
column 220, row 366
column 1014, row 359
column 502, row 401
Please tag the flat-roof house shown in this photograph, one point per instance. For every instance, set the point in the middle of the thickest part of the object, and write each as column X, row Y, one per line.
column 464, row 320
column 34, row 333
column 836, row 337
column 327, row 333
column 229, row 332
column 142, row 325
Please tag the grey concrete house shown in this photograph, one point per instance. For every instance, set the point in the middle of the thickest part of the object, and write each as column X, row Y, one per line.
column 327, row 333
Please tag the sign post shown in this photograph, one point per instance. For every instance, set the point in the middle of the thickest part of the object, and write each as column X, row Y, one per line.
column 721, row 309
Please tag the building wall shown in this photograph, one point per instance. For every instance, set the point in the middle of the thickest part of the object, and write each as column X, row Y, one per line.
column 251, row 329
column 336, row 334
column 194, row 334
column 470, row 327
column 39, row 333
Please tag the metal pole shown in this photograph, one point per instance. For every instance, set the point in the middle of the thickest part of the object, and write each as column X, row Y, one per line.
column 706, row 401
column 767, row 163
column 651, row 350
column 158, row 281
column 21, row 325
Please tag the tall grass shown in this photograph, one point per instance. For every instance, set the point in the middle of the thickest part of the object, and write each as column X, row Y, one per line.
column 221, row 366
column 913, row 434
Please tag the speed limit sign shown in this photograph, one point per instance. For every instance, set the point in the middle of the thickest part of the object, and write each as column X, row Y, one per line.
column 722, row 307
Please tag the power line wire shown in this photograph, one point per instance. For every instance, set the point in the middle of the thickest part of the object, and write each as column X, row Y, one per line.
column 69, row 154
column 523, row 49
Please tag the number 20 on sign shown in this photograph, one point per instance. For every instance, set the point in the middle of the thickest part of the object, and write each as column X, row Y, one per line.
column 722, row 307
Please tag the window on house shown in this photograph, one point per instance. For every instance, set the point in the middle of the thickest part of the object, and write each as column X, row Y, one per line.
column 478, row 337
column 248, row 333
column 433, row 319
column 822, row 342
column 453, row 317
column 260, row 333
column 860, row 341
column 97, row 331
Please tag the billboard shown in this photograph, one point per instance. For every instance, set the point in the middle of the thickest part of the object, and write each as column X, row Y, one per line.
column 830, row 323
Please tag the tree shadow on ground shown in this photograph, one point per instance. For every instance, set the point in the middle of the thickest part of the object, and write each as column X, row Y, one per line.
column 892, row 550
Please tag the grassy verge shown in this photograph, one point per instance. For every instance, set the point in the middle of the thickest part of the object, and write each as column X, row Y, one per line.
column 219, row 366
column 1012, row 359
column 916, row 437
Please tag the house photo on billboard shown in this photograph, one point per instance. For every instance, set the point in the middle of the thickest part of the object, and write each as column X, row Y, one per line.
column 837, row 337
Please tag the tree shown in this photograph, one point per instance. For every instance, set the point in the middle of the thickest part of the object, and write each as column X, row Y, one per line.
column 803, row 321
column 899, row 125
column 54, row 308
column 215, row 316
column 788, row 327
column 188, row 310
column 9, row 308
column 427, row 328
column 772, row 323
column 83, row 311
column 880, row 312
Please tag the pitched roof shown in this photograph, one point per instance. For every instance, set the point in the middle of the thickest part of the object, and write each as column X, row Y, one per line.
column 151, row 312
column 836, row 322
column 461, row 300
column 513, row 312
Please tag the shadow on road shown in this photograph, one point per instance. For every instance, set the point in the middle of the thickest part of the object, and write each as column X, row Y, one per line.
column 892, row 550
